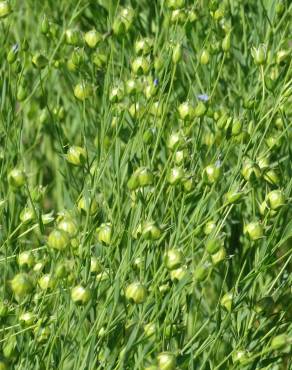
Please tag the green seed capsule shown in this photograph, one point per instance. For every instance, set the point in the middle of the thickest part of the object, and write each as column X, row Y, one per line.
column 92, row 38
column 45, row 25
column 26, row 259
column 26, row 319
column 82, row 91
column 213, row 245
column 226, row 43
column 281, row 342
column 149, row 329
column 12, row 54
column 9, row 349
column 186, row 111
column 259, row 54
column 150, row 231
column 276, row 199
column 250, row 170
column 202, row 271
column 145, row 177
column 136, row 292
column 280, row 8
column 80, row 295
column 3, row 363
column 72, row 37
column 166, row 361
column 39, row 61
column 21, row 285
column 282, row 57
column 240, row 356
column 271, row 177
column 58, row 239
column 143, row 46
column 178, row 16
column 140, row 65
column 177, row 54
column 175, row 175
column 173, row 258
column 4, row 309
column 226, row 301
column 236, row 128
column 76, row 155
column 179, row 274
column 5, row 9
column 205, row 57
column 68, row 225
column 116, row 94
column 95, row 265
column 16, row 178
column 211, row 174
column 175, row 4
column 42, row 333
column 123, row 21
column 200, row 109
column 87, row 205
column 105, row 233
column 210, row 227
column 234, row 196
column 47, row 282
column 218, row 256
column 254, row 230
column 27, row 215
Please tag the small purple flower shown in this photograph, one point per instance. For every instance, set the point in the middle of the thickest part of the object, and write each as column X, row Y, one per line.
column 156, row 82
column 203, row 97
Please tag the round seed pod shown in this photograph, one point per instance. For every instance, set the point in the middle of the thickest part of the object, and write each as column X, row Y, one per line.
column 213, row 245
column 16, row 178
column 259, row 54
column 136, row 292
column 143, row 46
column 176, row 53
column 26, row 259
column 254, row 230
column 12, row 54
column 173, row 258
column 145, row 177
column 175, row 175
column 150, row 231
column 209, row 227
column 250, row 170
column 166, row 361
column 227, row 300
column 82, row 91
column 179, row 273
column 26, row 319
column 5, row 9
column 80, row 295
column 47, row 282
column 218, row 256
column 205, row 57
column 234, row 196
column 211, row 174
column 39, row 61
column 275, row 199
column 140, row 65
column 27, row 215
column 104, row 232
column 4, row 309
column 68, row 225
column 240, row 356
column 72, row 37
column 95, row 265
column 149, row 329
column 58, row 239
column 92, row 38
column 76, row 155
column 175, row 4
column 42, row 333
column 186, row 111
column 87, row 205
column 226, row 43
column 21, row 285
column 202, row 271
column 280, row 342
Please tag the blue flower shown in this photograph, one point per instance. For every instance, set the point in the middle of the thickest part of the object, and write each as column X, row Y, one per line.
column 203, row 97
column 156, row 82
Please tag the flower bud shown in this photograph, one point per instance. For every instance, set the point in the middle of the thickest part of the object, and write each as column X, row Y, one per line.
column 136, row 292
column 173, row 258
column 211, row 174
column 5, row 9
column 275, row 199
column 176, row 54
column 205, row 57
column 140, row 65
column 80, row 295
column 26, row 259
column 259, row 54
column 254, row 230
column 92, row 38
column 226, row 301
column 76, row 155
column 82, row 91
column 16, row 178
column 166, row 361
column 21, row 285
column 281, row 342
column 105, row 233
column 175, row 175
column 58, row 239
column 186, row 111
column 150, row 231
column 39, row 61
